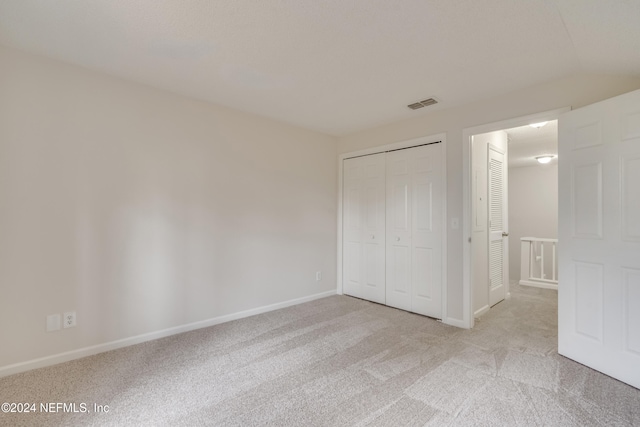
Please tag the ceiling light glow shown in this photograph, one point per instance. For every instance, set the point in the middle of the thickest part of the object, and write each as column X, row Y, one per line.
column 544, row 159
column 538, row 125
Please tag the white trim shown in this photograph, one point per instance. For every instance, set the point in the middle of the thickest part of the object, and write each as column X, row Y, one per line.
column 442, row 138
column 538, row 239
column 481, row 311
column 339, row 252
column 395, row 146
column 467, row 133
column 445, row 233
column 101, row 348
column 452, row 321
column 542, row 285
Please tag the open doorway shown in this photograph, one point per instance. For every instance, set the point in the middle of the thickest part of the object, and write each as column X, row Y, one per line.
column 533, row 205
column 598, row 205
column 521, row 144
column 514, row 211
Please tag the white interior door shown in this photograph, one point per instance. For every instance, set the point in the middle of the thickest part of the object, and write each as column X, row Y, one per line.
column 599, row 237
column 364, row 227
column 414, row 230
column 498, row 225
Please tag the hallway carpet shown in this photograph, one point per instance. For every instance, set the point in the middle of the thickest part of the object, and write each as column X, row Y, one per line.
column 338, row 361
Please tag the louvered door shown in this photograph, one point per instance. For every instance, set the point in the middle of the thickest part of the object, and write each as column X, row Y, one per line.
column 498, row 217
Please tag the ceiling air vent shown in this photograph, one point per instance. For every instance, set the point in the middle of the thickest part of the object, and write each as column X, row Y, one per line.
column 421, row 104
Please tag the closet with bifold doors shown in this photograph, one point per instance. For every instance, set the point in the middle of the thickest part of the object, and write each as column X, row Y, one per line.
column 392, row 228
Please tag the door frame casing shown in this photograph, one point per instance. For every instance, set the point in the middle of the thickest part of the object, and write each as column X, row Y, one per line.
column 467, row 134
column 442, row 137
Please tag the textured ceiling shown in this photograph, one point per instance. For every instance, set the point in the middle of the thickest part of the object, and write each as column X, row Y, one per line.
column 336, row 66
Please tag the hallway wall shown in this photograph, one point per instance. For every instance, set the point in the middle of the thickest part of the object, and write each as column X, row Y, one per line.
column 533, row 208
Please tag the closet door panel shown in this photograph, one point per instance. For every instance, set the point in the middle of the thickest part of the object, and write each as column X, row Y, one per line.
column 373, row 219
column 352, row 227
column 363, row 227
column 426, row 231
column 423, row 280
column 398, row 230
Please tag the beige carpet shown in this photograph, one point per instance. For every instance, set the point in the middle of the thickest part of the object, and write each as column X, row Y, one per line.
column 338, row 361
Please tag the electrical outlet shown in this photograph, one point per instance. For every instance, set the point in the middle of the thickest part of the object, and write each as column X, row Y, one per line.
column 53, row 322
column 69, row 319
column 318, row 276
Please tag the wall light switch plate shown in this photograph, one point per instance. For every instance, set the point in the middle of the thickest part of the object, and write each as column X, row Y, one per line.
column 53, row 322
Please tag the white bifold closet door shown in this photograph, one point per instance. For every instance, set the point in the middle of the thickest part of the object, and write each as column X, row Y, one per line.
column 414, row 230
column 392, row 228
column 363, row 227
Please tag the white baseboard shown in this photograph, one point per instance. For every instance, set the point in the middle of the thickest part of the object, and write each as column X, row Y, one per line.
column 539, row 284
column 101, row 348
column 455, row 322
column 481, row 311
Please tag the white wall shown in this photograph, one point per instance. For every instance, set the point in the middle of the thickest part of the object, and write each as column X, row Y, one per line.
column 143, row 210
column 533, row 209
column 575, row 91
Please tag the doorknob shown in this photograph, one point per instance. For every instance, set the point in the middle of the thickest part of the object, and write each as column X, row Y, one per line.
column 505, row 234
